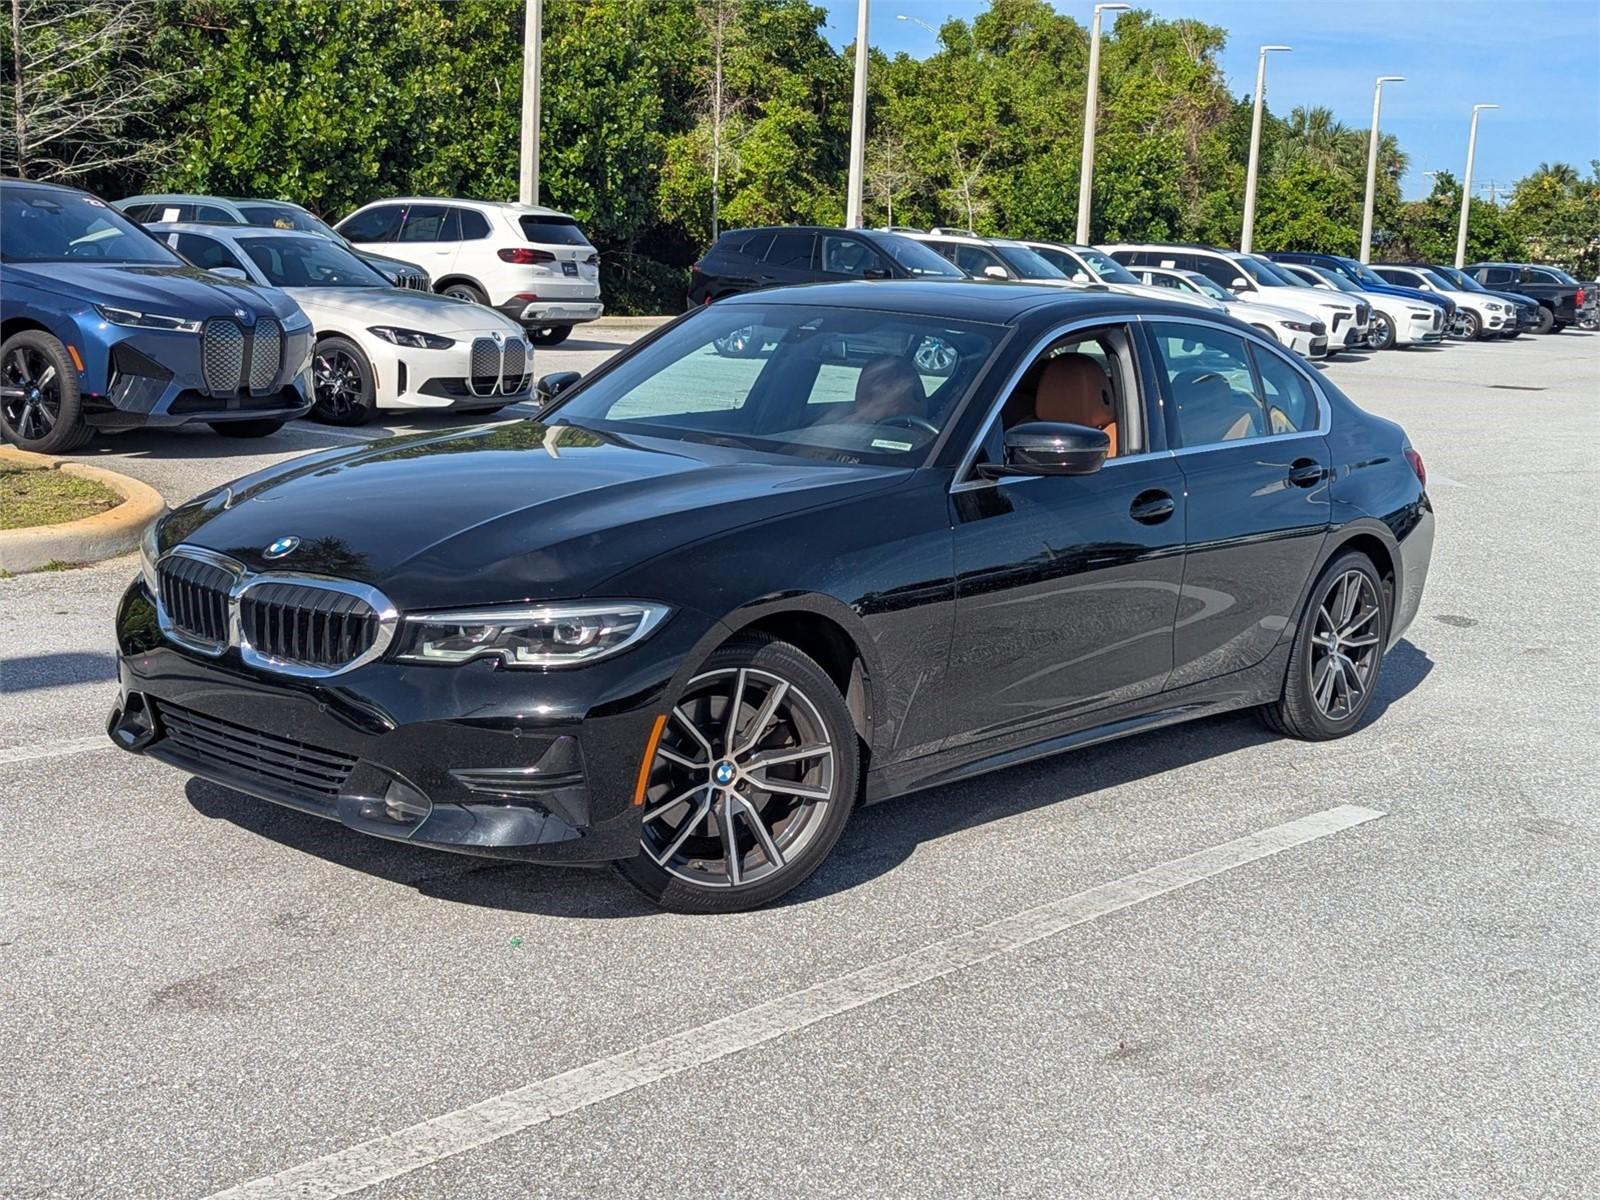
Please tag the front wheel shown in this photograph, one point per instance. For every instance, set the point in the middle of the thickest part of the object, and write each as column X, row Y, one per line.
column 246, row 429
column 1470, row 327
column 753, row 779
column 1380, row 334
column 464, row 291
column 342, row 378
column 40, row 406
column 549, row 335
column 1338, row 653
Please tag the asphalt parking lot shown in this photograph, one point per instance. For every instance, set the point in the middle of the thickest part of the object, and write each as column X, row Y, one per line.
column 1203, row 962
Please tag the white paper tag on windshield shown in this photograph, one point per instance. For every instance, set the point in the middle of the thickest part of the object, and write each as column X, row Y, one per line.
column 885, row 444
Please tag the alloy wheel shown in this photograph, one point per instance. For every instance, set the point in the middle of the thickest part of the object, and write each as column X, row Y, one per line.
column 1380, row 334
column 742, row 779
column 337, row 380
column 30, row 392
column 1344, row 645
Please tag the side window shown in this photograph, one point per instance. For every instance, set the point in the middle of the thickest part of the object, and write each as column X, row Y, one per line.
column 1088, row 378
column 139, row 212
column 975, row 260
column 210, row 214
column 1209, row 378
column 754, row 247
column 206, row 253
column 1219, row 270
column 1166, row 281
column 425, row 223
column 1291, row 404
column 375, row 225
column 472, row 225
column 791, row 251
column 847, row 256
column 1495, row 275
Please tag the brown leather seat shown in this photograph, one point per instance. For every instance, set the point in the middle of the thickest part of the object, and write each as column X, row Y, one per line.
column 1074, row 389
column 887, row 387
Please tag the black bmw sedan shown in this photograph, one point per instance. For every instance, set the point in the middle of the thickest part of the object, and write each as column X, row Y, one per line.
column 703, row 606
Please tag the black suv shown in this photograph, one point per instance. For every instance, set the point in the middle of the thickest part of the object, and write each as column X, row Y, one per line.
column 744, row 260
column 1560, row 296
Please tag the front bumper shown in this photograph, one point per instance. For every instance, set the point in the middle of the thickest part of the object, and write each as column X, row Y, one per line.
column 530, row 765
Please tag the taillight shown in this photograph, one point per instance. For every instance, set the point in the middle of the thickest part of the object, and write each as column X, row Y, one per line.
column 1579, row 300
column 521, row 254
column 1415, row 460
column 592, row 261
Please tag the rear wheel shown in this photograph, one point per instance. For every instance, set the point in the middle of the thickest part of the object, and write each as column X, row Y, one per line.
column 1546, row 320
column 1380, row 334
column 752, row 782
column 1338, row 653
column 549, row 335
column 342, row 378
column 246, row 429
column 40, row 406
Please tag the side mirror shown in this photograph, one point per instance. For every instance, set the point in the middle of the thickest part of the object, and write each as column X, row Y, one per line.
column 875, row 273
column 993, row 272
column 552, row 385
column 231, row 273
column 1080, row 277
column 1050, row 448
column 1238, row 284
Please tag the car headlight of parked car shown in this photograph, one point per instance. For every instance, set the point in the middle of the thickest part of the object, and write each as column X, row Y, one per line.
column 1298, row 326
column 547, row 635
column 414, row 338
column 143, row 320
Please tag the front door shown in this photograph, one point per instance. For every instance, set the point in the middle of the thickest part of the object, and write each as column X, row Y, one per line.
column 1256, row 468
column 1067, row 586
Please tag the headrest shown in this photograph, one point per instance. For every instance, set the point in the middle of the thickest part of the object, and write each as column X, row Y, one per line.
column 890, row 386
column 1073, row 389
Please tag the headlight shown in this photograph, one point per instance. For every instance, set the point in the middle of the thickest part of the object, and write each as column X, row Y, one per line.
column 548, row 635
column 1297, row 326
column 149, row 551
column 142, row 320
column 411, row 337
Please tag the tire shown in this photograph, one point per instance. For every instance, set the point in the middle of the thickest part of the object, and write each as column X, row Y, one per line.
column 682, row 865
column 41, row 407
column 549, row 335
column 246, row 429
column 1311, row 705
column 463, row 290
column 1380, row 335
column 342, row 379
column 1471, row 326
column 1546, row 319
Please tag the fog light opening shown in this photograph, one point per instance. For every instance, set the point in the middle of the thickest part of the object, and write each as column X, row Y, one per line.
column 400, row 804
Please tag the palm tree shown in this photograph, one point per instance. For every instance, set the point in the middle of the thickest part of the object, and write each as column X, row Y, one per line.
column 1563, row 174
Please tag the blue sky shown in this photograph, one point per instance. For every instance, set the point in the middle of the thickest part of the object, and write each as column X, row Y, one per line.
column 1538, row 59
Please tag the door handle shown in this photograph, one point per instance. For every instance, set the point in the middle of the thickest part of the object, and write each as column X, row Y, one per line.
column 1306, row 472
column 1152, row 507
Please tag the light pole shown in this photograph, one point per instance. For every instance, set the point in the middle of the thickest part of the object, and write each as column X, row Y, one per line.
column 1372, row 166
column 917, row 21
column 1090, row 104
column 1248, row 235
column 858, row 122
column 532, row 50
column 1466, row 185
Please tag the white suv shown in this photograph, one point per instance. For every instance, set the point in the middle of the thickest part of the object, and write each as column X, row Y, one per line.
column 531, row 263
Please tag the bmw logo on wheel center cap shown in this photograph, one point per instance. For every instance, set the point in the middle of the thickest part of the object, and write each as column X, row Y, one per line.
column 281, row 547
column 724, row 773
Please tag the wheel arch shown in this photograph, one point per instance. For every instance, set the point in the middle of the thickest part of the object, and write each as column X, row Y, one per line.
column 16, row 325
column 445, row 281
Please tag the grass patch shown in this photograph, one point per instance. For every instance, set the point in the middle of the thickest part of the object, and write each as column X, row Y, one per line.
column 31, row 496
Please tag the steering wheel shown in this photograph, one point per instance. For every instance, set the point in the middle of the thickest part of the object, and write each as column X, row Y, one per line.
column 912, row 422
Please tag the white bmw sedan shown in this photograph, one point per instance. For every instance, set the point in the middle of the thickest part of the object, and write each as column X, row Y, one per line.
column 377, row 346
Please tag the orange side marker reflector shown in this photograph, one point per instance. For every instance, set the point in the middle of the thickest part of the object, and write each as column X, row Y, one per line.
column 649, row 757
column 76, row 361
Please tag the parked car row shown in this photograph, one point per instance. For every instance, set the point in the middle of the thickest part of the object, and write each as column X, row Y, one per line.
column 1314, row 304
column 243, row 314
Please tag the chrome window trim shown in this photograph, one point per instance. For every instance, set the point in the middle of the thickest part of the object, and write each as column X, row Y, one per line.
column 243, row 580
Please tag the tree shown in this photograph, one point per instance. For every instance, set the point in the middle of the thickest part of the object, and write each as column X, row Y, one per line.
column 1557, row 213
column 80, row 89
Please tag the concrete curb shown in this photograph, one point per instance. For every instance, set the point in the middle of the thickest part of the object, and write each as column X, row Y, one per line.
column 622, row 323
column 104, row 535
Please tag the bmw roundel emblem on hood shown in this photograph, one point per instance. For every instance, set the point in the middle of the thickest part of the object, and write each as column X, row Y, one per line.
column 281, row 547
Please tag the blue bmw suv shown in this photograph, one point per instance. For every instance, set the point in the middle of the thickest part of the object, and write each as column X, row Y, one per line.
column 103, row 327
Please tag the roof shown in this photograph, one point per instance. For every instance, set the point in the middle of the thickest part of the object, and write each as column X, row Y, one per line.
column 229, row 233
column 514, row 207
column 994, row 301
column 13, row 181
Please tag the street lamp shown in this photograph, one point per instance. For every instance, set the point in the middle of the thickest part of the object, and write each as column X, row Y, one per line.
column 1466, row 185
column 1372, row 166
column 1248, row 235
column 532, row 51
column 917, row 21
column 1090, row 104
column 858, row 123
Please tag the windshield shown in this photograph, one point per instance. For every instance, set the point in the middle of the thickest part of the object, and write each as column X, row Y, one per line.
column 1459, row 279
column 1028, row 264
column 917, row 258
column 1207, row 286
column 1334, row 278
column 1271, row 274
column 838, row 385
column 308, row 262
column 1108, row 268
column 1550, row 275
column 1433, row 277
column 1363, row 274
column 48, row 226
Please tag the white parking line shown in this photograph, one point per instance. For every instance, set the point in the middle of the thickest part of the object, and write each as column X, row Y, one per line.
column 395, row 1154
column 38, row 750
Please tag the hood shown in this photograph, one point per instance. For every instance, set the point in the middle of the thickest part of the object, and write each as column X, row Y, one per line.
column 500, row 514
column 403, row 307
column 1253, row 310
column 175, row 290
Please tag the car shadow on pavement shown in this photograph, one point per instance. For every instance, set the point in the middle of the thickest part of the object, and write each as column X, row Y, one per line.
column 877, row 840
column 33, row 672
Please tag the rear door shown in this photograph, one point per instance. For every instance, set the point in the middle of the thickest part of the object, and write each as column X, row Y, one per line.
column 790, row 259
column 841, row 257
column 1248, row 425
